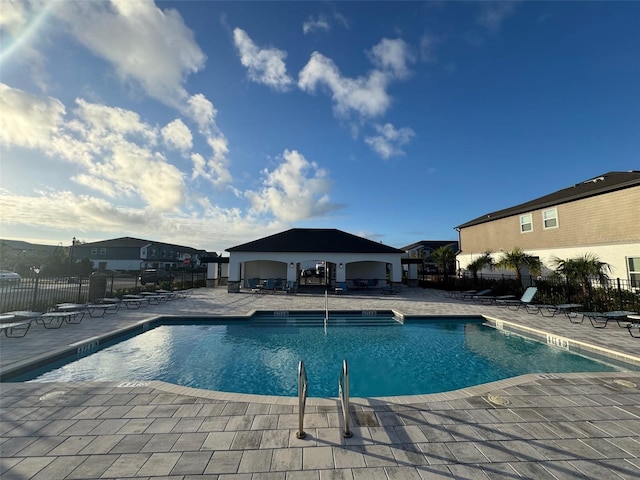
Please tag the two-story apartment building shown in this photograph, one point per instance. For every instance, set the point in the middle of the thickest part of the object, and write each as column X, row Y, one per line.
column 129, row 253
column 598, row 216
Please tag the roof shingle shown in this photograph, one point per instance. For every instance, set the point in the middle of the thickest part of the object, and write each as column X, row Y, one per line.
column 327, row 240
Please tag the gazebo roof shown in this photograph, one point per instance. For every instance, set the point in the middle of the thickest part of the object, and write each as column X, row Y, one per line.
column 329, row 240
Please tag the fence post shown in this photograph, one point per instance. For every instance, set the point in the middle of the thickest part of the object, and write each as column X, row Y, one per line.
column 34, row 301
column 79, row 290
column 619, row 294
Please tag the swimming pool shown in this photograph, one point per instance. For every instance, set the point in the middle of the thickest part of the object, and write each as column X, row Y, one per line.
column 244, row 356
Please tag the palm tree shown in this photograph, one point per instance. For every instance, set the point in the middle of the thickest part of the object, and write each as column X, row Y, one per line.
column 582, row 270
column 517, row 260
column 484, row 260
column 443, row 257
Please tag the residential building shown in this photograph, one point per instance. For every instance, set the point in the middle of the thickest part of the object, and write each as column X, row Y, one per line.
column 417, row 261
column 599, row 216
column 129, row 253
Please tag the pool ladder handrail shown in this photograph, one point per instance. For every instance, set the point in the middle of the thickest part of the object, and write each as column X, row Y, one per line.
column 326, row 310
column 303, row 385
column 343, row 390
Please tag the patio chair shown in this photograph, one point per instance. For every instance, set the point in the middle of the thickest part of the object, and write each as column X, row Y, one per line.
column 473, row 296
column 636, row 324
column 291, row 287
column 600, row 319
column 568, row 309
column 524, row 300
column 491, row 300
column 341, row 288
column 14, row 329
column 459, row 293
column 255, row 285
column 271, row 284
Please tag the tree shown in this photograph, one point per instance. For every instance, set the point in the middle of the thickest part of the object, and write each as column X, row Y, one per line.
column 582, row 270
column 516, row 260
column 444, row 257
column 484, row 260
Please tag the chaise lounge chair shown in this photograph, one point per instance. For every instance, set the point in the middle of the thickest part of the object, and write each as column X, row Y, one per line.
column 636, row 324
column 568, row 309
column 524, row 300
column 459, row 294
column 475, row 295
column 600, row 319
column 17, row 326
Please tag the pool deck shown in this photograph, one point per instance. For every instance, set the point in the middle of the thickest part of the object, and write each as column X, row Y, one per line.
column 548, row 426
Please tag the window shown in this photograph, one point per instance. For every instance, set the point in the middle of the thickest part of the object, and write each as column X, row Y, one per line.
column 153, row 252
column 526, row 223
column 550, row 218
column 94, row 251
column 103, row 251
column 634, row 271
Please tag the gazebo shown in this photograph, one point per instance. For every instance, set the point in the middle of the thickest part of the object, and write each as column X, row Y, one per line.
column 315, row 257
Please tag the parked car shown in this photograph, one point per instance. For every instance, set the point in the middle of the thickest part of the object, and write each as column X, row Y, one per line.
column 155, row 275
column 9, row 278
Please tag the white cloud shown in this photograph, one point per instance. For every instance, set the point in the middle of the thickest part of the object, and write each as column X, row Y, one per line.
column 177, row 135
column 427, row 48
column 83, row 215
column 265, row 65
column 13, row 18
column 366, row 96
column 315, row 24
column 202, row 111
column 216, row 169
column 392, row 56
column 492, row 14
column 19, row 22
column 66, row 210
column 296, row 190
column 123, row 158
column 115, row 151
column 151, row 47
column 27, row 120
column 389, row 140
column 145, row 44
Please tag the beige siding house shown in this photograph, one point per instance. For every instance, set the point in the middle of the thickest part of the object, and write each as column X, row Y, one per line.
column 600, row 216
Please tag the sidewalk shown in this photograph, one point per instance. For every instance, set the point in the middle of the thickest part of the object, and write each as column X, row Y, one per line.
column 560, row 426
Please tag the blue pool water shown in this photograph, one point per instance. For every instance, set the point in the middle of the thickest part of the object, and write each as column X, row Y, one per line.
column 414, row 358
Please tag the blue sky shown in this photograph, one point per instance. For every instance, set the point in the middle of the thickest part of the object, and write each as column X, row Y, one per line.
column 211, row 124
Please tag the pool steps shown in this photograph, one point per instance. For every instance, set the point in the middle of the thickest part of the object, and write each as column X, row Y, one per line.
column 332, row 321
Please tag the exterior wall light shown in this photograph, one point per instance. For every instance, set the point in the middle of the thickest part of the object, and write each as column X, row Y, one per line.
column 291, row 265
column 340, row 265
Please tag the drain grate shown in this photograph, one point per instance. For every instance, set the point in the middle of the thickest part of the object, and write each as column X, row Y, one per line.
column 497, row 400
column 366, row 419
column 132, row 384
column 54, row 394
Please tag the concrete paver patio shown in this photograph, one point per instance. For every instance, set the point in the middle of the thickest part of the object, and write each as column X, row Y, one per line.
column 546, row 426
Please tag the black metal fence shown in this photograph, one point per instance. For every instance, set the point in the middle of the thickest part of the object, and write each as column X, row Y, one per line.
column 42, row 293
column 614, row 294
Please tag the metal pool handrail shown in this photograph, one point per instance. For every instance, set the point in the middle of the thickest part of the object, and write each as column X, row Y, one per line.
column 303, row 385
column 343, row 390
column 326, row 309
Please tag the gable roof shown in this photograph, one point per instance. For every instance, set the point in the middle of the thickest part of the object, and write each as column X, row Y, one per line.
column 606, row 183
column 130, row 242
column 327, row 240
column 432, row 244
